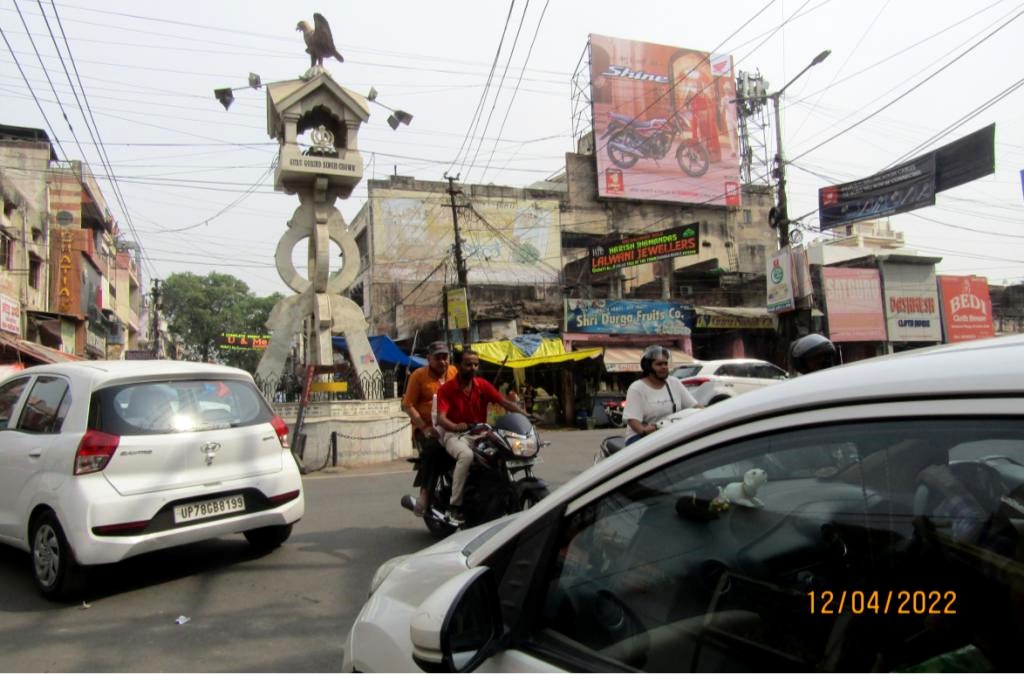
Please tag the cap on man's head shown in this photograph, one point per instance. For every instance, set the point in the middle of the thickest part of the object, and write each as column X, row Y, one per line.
column 437, row 347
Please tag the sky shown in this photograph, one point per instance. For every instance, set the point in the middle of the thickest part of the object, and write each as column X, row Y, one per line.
column 193, row 181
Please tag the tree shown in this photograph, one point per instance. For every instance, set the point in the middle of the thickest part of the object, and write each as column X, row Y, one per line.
column 199, row 308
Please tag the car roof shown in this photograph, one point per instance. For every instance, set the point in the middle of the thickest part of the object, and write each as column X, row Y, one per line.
column 723, row 361
column 99, row 372
column 989, row 367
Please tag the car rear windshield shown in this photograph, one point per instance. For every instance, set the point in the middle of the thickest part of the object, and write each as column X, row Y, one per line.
column 146, row 408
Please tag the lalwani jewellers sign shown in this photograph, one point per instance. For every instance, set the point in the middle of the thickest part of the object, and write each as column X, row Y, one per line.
column 630, row 252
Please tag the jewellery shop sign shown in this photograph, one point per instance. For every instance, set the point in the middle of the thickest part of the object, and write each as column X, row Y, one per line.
column 669, row 243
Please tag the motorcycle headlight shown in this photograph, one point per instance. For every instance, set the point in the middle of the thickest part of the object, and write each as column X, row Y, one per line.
column 522, row 445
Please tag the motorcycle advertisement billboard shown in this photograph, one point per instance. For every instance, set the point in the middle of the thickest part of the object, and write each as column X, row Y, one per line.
column 664, row 123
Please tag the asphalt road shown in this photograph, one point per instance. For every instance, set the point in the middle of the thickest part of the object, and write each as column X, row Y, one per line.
column 286, row 611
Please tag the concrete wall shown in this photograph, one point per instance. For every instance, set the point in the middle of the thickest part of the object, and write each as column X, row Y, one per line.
column 368, row 431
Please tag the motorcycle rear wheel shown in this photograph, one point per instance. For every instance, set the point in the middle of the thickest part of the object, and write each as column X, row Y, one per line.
column 693, row 158
column 619, row 157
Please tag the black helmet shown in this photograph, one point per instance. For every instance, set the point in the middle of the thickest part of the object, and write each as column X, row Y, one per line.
column 650, row 354
column 811, row 353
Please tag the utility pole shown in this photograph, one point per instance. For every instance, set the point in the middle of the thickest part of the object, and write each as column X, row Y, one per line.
column 155, row 309
column 460, row 263
column 779, row 216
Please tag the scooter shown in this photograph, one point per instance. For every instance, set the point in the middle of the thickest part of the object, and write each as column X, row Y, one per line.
column 614, row 443
column 613, row 409
column 500, row 480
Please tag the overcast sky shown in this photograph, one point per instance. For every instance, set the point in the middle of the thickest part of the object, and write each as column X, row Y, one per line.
column 195, row 178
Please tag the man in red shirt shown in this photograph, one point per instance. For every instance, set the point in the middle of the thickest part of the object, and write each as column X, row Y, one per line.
column 461, row 404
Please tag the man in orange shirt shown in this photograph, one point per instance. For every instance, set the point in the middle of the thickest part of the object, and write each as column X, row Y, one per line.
column 418, row 403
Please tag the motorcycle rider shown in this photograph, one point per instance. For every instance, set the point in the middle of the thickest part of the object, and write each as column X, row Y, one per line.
column 461, row 405
column 653, row 396
column 418, row 403
column 811, row 353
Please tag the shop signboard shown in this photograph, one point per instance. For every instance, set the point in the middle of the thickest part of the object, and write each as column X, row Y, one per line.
column 664, row 123
column 675, row 242
column 966, row 308
column 242, row 341
column 911, row 302
column 779, row 282
column 853, row 303
column 628, row 317
column 10, row 315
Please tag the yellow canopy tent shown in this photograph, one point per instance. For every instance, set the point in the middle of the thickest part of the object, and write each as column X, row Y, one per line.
column 551, row 350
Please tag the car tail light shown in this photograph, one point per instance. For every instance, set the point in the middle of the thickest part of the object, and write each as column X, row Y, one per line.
column 285, row 497
column 122, row 529
column 693, row 382
column 94, row 451
column 281, row 428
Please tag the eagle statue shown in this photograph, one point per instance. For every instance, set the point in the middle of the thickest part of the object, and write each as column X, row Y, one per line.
column 319, row 41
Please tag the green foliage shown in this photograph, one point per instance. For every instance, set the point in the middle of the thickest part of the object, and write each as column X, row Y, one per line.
column 199, row 308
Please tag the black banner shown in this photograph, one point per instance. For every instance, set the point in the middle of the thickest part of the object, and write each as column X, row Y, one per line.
column 966, row 159
column 669, row 243
column 899, row 189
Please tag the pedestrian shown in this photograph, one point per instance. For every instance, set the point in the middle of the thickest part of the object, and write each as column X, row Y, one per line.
column 653, row 396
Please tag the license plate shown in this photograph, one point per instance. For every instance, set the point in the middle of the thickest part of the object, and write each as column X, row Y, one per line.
column 519, row 463
column 200, row 510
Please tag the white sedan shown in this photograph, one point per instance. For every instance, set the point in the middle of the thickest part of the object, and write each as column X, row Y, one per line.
column 864, row 517
column 104, row 460
column 712, row 381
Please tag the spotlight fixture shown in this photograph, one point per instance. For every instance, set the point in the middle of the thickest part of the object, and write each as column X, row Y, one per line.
column 225, row 96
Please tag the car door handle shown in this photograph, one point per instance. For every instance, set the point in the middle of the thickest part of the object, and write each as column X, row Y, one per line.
column 35, row 452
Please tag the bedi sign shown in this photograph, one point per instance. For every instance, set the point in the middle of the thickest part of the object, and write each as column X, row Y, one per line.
column 966, row 308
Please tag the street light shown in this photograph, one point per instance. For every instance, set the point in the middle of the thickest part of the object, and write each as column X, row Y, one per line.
column 779, row 216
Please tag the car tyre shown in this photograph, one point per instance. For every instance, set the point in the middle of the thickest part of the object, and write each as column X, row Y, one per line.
column 54, row 569
column 268, row 538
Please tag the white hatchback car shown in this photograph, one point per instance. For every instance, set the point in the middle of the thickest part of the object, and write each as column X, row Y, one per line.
column 869, row 516
column 103, row 460
column 712, row 381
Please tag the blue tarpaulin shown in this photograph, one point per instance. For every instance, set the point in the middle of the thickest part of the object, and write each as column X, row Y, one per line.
column 385, row 350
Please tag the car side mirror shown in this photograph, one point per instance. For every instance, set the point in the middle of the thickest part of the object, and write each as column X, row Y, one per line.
column 459, row 625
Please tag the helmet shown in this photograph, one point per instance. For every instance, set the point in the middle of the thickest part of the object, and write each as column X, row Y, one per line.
column 811, row 353
column 650, row 354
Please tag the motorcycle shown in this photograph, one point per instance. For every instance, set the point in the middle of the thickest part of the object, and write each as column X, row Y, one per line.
column 500, row 480
column 614, row 443
column 613, row 409
column 630, row 140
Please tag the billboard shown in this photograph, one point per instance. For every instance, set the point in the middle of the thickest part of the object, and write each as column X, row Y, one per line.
column 504, row 240
column 10, row 315
column 458, row 309
column 675, row 242
column 902, row 188
column 911, row 303
column 628, row 317
column 242, row 341
column 664, row 123
column 966, row 308
column 853, row 304
column 780, row 280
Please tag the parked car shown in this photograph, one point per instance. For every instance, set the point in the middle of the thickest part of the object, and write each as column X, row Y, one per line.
column 712, row 381
column 865, row 517
column 104, row 460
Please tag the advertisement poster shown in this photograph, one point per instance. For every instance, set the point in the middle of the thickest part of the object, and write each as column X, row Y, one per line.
column 966, row 308
column 628, row 317
column 664, row 123
column 780, row 282
column 242, row 341
column 504, row 240
column 458, row 309
column 911, row 303
column 10, row 315
column 647, row 248
column 902, row 188
column 853, row 303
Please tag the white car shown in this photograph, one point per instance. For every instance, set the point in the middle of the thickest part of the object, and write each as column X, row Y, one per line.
column 712, row 381
column 104, row 460
column 865, row 517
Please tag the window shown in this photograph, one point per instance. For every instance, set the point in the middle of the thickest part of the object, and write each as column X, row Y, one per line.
column 871, row 546
column 6, row 251
column 9, row 395
column 765, row 371
column 35, row 266
column 148, row 408
column 46, row 406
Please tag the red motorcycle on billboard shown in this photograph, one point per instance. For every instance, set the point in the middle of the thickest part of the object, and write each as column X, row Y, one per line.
column 630, row 140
